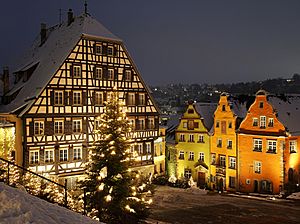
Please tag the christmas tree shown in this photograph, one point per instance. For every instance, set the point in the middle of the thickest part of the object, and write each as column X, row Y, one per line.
column 114, row 193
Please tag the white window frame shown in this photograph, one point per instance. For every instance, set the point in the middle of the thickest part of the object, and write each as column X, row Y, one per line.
column 191, row 155
column 262, row 121
column 229, row 144
column 272, row 146
column 232, row 162
column 34, row 156
column 58, row 98
column 76, row 71
column 293, row 146
column 257, row 144
column 201, row 156
column 255, row 122
column 49, row 155
column 181, row 155
column 77, row 126
column 77, row 153
column 187, row 173
column 77, row 98
column 63, row 155
column 39, row 128
column 257, row 167
column 222, row 161
column 58, row 127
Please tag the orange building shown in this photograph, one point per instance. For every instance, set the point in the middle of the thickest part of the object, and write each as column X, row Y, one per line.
column 227, row 118
column 288, row 109
column 261, row 141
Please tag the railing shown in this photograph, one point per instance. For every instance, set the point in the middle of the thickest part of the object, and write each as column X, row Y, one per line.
column 37, row 175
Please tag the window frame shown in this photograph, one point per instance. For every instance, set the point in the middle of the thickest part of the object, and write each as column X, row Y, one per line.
column 63, row 155
column 108, row 51
column 75, row 124
column 58, row 98
column 34, row 157
column 181, row 155
column 49, row 156
column 39, row 128
column 293, row 147
column 232, row 162
column 257, row 144
column 201, row 156
column 191, row 156
column 262, row 121
column 271, row 148
column 77, row 98
column 110, row 74
column 77, row 153
column 77, row 71
column 98, row 75
column 257, row 167
column 99, row 100
column 58, row 129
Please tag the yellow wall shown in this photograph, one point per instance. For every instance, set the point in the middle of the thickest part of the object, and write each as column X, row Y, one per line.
column 195, row 146
column 159, row 152
column 223, row 116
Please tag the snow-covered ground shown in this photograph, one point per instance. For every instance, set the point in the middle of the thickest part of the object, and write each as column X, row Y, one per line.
column 295, row 196
column 18, row 207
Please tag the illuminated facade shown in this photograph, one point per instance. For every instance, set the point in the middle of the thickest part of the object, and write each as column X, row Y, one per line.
column 227, row 118
column 60, row 88
column 261, row 140
column 159, row 152
column 193, row 145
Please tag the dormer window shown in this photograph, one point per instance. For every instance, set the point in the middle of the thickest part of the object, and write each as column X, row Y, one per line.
column 110, row 51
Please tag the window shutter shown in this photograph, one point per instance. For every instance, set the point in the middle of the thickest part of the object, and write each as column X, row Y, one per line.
column 52, row 97
column 84, row 153
column 104, row 96
column 31, row 128
column 104, row 50
column 105, row 71
column 116, row 74
column 68, row 127
column 71, row 70
column 71, row 97
column 70, row 153
column 94, row 48
column 94, row 72
column 84, row 98
column 156, row 122
column 41, row 159
column 84, row 126
column 115, row 51
column 27, row 157
column 93, row 98
column 137, row 99
column 146, row 123
column 65, row 98
column 126, row 99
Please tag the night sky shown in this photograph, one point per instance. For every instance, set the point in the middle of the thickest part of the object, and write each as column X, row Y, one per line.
column 172, row 41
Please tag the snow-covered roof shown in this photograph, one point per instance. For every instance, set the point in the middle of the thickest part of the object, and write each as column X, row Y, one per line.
column 61, row 39
column 238, row 108
column 206, row 111
column 288, row 111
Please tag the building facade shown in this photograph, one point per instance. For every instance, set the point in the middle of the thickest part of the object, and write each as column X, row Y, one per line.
column 261, row 140
column 192, row 145
column 61, row 88
column 224, row 163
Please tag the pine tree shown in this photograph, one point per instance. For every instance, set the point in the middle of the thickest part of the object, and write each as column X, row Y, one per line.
column 114, row 192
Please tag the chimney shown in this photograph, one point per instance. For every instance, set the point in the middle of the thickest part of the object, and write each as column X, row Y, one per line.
column 5, row 79
column 70, row 17
column 43, row 33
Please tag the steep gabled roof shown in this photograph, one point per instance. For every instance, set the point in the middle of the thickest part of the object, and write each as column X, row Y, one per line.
column 61, row 39
column 206, row 110
column 288, row 112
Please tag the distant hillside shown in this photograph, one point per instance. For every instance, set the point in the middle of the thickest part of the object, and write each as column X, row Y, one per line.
column 173, row 97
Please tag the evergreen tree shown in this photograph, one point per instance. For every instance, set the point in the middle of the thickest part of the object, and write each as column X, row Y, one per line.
column 114, row 192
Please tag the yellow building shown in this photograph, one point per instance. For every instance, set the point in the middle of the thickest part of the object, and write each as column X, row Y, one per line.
column 223, row 167
column 192, row 143
column 159, row 152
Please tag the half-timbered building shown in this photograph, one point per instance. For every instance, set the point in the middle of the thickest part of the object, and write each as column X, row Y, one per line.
column 60, row 88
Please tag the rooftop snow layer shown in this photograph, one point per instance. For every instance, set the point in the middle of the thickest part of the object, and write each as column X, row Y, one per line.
column 206, row 111
column 61, row 39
